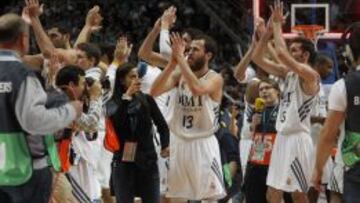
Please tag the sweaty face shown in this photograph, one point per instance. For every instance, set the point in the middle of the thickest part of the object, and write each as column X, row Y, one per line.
column 297, row 52
column 197, row 57
column 268, row 93
column 80, row 88
column 83, row 61
column 58, row 39
column 186, row 37
column 324, row 69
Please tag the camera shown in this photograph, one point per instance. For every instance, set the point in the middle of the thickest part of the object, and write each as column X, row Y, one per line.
column 105, row 82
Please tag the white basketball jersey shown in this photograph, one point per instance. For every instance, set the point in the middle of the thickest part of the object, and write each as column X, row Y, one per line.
column 194, row 116
column 163, row 100
column 295, row 108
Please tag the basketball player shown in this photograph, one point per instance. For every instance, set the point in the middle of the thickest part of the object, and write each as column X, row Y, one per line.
column 290, row 166
column 195, row 169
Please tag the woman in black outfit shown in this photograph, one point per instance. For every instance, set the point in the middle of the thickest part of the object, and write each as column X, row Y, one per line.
column 134, row 167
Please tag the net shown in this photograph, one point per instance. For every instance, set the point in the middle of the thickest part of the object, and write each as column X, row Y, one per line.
column 309, row 31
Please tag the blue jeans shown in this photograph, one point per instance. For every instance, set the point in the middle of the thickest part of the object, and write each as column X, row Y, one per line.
column 352, row 185
column 130, row 181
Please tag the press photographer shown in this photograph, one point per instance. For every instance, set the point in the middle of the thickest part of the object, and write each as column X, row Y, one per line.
column 81, row 162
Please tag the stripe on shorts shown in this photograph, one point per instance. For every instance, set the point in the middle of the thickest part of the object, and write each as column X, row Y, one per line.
column 299, row 174
column 217, row 170
column 77, row 191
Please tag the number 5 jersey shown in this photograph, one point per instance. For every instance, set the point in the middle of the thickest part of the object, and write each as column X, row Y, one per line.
column 295, row 108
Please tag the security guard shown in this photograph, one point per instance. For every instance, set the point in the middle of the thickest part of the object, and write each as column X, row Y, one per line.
column 344, row 105
column 24, row 178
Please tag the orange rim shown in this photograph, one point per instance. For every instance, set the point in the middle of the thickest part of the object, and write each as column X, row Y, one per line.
column 309, row 31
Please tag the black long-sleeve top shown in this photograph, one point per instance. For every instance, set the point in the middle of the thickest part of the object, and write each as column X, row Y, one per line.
column 133, row 122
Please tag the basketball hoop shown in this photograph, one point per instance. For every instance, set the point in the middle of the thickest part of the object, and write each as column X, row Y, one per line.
column 309, row 31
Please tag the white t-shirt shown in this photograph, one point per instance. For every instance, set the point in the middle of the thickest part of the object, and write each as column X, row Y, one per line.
column 337, row 96
column 338, row 102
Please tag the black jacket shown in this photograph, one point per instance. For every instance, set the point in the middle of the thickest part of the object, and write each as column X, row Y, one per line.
column 133, row 121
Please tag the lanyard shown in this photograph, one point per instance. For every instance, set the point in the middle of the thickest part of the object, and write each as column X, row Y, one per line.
column 264, row 121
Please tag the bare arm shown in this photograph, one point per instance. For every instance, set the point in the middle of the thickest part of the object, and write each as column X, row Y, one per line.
column 309, row 77
column 167, row 80
column 146, row 53
column 35, row 62
column 328, row 138
column 212, row 86
column 272, row 53
column 240, row 68
column 34, row 10
column 259, row 56
column 168, row 19
column 92, row 24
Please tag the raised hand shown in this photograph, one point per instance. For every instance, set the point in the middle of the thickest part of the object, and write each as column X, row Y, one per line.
column 157, row 24
column 32, row 10
column 168, row 18
column 177, row 45
column 278, row 12
column 123, row 49
column 260, row 27
column 260, row 30
column 134, row 87
column 93, row 19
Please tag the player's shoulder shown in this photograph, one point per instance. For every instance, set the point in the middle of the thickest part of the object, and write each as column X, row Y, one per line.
column 214, row 76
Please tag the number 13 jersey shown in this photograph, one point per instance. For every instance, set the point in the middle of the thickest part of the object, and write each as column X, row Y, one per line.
column 194, row 116
column 295, row 107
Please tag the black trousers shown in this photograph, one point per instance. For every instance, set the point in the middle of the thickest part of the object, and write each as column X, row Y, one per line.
column 129, row 181
column 255, row 183
column 352, row 185
column 37, row 189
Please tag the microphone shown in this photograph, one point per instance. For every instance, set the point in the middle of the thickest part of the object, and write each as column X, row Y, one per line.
column 259, row 105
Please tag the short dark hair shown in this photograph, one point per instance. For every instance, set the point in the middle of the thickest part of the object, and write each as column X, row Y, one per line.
column 11, row 26
column 69, row 73
column 61, row 28
column 91, row 50
column 308, row 46
column 322, row 58
column 108, row 50
column 272, row 82
column 192, row 32
column 209, row 44
column 354, row 41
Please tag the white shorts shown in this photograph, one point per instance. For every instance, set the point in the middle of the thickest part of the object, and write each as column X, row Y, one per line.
column 84, row 175
column 195, row 171
column 336, row 183
column 103, row 167
column 291, row 163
